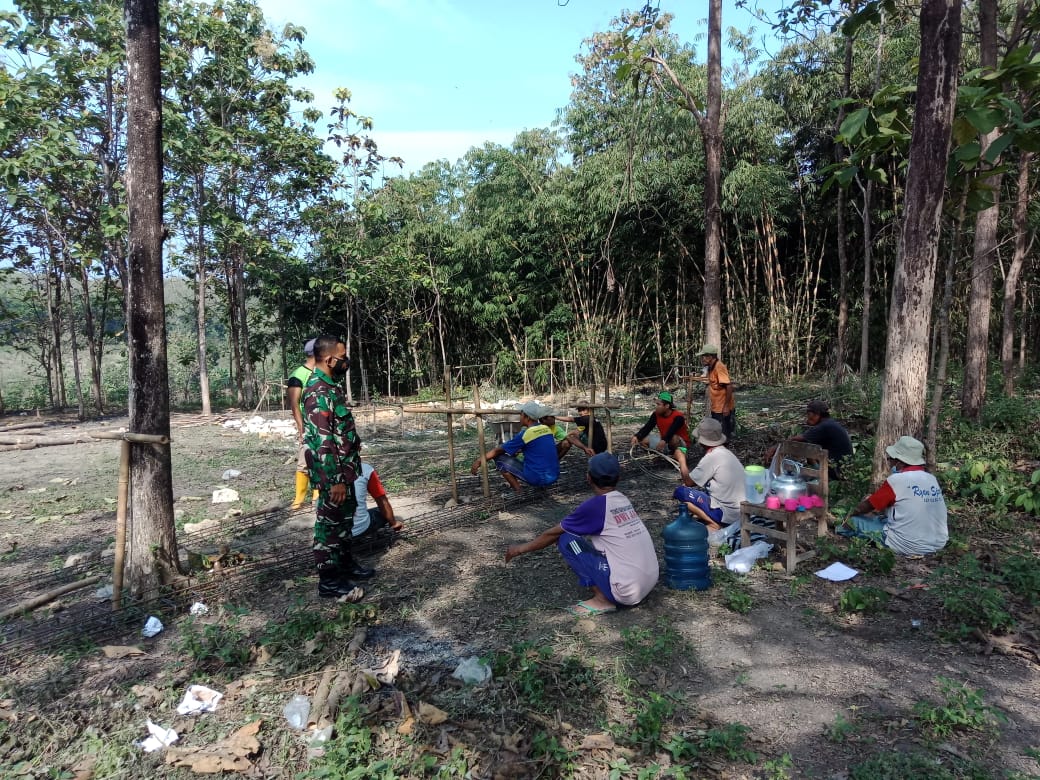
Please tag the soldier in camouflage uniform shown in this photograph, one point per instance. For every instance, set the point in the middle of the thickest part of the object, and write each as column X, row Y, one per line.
column 334, row 462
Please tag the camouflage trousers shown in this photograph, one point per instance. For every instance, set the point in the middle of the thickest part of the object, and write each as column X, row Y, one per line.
column 332, row 531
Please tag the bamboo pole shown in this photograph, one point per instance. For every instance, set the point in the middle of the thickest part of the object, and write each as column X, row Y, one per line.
column 127, row 439
column 480, row 440
column 119, row 560
column 18, row 444
column 136, row 438
column 451, row 457
column 43, row 598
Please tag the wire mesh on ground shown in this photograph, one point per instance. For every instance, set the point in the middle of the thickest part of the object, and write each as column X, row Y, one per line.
column 259, row 549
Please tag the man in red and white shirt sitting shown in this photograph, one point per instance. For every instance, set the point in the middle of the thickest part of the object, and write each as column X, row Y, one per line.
column 368, row 521
column 912, row 502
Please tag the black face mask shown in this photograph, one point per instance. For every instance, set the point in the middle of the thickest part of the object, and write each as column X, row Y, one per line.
column 339, row 370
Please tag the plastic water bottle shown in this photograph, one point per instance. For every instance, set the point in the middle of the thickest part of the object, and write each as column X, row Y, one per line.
column 686, row 553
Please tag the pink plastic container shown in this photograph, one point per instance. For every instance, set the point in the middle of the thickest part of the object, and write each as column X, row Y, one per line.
column 772, row 502
column 790, row 504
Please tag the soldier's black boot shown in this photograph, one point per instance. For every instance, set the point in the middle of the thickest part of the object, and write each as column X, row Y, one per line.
column 331, row 586
column 350, row 567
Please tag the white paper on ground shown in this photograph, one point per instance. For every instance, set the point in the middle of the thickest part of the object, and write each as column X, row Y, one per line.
column 152, row 626
column 198, row 698
column 159, row 738
column 837, row 572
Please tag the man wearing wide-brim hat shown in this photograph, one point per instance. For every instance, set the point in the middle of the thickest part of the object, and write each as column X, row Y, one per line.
column 714, row 489
column 908, row 512
column 720, row 389
column 539, row 465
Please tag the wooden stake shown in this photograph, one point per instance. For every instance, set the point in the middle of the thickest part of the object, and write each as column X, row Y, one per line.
column 480, row 441
column 122, row 502
column 121, row 505
column 451, row 457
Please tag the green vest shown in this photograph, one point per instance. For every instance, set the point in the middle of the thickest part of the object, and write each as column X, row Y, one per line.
column 303, row 374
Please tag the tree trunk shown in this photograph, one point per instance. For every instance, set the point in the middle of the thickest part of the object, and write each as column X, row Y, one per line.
column 58, row 399
column 350, row 341
column 200, row 297
column 246, row 360
column 909, row 316
column 868, row 228
column 841, row 336
column 95, row 348
column 1020, row 228
column 153, row 546
column 980, row 299
column 81, row 407
column 943, row 335
column 711, row 132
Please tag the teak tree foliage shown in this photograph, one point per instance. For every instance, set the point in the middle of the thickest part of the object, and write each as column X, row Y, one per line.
column 574, row 254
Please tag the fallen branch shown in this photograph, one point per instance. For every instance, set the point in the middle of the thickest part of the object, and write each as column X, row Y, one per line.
column 344, row 682
column 321, row 695
column 21, row 427
column 38, row 601
column 18, row 444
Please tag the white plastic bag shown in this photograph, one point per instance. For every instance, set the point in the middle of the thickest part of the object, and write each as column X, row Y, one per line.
column 472, row 671
column 744, row 559
column 723, row 535
column 297, row 711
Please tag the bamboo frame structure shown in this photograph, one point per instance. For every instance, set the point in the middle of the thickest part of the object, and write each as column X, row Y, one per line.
column 480, row 413
column 127, row 440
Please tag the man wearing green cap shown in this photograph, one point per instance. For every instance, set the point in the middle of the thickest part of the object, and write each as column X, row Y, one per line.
column 671, row 431
column 914, row 521
column 720, row 389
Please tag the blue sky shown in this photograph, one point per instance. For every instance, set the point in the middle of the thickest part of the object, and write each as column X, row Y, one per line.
column 440, row 76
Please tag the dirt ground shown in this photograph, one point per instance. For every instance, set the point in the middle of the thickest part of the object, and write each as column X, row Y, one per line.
column 819, row 692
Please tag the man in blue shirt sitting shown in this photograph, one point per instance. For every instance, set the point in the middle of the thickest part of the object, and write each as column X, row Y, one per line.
column 539, row 465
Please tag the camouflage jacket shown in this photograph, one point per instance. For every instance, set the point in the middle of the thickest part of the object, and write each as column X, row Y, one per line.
column 329, row 433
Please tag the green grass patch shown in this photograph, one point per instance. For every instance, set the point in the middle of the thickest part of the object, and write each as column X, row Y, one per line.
column 962, row 709
column 540, row 680
column 865, row 600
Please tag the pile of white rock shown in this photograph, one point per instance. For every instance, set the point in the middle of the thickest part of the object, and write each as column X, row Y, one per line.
column 284, row 428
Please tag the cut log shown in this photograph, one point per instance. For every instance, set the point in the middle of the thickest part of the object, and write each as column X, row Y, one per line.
column 38, row 601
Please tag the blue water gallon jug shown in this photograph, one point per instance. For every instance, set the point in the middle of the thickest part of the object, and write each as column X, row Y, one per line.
column 686, row 553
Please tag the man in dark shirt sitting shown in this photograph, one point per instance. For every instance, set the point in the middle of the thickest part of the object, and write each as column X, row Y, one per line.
column 825, row 432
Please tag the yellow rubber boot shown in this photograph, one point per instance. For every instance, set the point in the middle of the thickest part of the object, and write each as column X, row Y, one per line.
column 302, row 484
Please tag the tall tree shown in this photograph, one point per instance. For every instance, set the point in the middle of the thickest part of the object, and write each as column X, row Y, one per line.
column 708, row 114
column 906, row 364
column 153, row 548
column 984, row 257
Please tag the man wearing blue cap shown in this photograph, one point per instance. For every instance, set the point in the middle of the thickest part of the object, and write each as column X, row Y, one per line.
column 539, row 465
column 604, row 542
column 297, row 379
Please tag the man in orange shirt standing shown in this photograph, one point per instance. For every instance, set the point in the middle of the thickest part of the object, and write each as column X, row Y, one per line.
column 720, row 389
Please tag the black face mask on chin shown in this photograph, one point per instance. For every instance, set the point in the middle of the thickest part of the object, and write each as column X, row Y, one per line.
column 339, row 370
